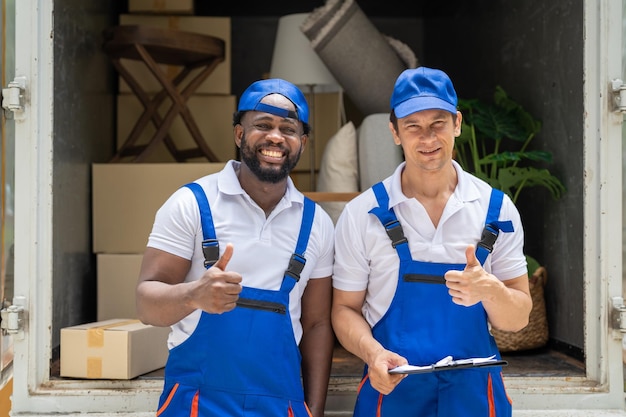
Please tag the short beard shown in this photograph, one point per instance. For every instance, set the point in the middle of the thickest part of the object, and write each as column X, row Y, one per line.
column 251, row 159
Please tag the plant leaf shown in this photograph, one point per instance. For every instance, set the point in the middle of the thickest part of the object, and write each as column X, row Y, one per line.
column 496, row 123
column 533, row 264
column 524, row 119
column 517, row 178
column 508, row 156
column 537, row 155
column 494, row 146
column 465, row 136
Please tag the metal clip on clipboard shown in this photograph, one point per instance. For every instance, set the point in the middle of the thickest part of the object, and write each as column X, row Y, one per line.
column 448, row 364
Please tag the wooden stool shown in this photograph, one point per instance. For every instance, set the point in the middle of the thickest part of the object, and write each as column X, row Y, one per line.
column 156, row 46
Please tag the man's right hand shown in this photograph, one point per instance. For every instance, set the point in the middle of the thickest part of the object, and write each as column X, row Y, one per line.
column 380, row 378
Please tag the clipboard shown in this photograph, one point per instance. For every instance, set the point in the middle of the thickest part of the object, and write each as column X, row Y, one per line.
column 448, row 364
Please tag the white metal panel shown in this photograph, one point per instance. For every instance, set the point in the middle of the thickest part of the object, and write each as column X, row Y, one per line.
column 33, row 199
column 7, row 166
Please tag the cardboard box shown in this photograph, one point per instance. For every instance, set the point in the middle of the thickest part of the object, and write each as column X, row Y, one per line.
column 212, row 113
column 325, row 119
column 218, row 82
column 126, row 196
column 112, row 349
column 161, row 6
column 117, row 279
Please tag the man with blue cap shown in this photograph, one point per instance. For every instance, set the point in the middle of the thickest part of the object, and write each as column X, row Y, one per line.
column 238, row 263
column 425, row 261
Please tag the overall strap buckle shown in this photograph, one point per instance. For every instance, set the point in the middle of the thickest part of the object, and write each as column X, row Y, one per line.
column 488, row 237
column 395, row 233
column 211, row 251
column 296, row 265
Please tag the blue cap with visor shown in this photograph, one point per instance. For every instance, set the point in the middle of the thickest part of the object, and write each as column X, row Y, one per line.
column 251, row 99
column 423, row 88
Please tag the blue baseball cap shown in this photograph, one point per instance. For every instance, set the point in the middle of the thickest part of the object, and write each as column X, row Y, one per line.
column 423, row 88
column 251, row 99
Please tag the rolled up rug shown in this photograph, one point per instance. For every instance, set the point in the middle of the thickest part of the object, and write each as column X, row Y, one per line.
column 365, row 62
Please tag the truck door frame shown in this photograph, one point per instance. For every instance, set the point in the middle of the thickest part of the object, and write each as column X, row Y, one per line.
column 35, row 393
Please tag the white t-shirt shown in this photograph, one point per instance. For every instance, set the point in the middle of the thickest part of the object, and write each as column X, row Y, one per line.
column 262, row 246
column 365, row 259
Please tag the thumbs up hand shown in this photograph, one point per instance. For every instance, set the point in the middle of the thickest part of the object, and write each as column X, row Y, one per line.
column 217, row 291
column 472, row 261
column 473, row 284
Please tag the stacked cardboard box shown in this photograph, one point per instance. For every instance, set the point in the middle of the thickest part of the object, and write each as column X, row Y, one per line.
column 117, row 279
column 213, row 114
column 161, row 6
column 325, row 121
column 126, row 197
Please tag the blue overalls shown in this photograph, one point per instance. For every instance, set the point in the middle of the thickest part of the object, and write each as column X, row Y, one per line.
column 244, row 362
column 424, row 325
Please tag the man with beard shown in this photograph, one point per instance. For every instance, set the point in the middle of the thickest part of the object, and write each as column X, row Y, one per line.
column 238, row 263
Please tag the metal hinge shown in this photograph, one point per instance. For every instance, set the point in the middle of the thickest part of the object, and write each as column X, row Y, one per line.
column 13, row 98
column 12, row 316
column 618, row 315
column 618, row 90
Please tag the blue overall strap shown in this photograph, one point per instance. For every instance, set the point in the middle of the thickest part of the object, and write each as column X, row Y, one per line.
column 210, row 245
column 492, row 226
column 297, row 261
column 390, row 222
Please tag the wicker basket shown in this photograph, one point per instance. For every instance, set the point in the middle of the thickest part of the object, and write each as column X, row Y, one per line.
column 535, row 335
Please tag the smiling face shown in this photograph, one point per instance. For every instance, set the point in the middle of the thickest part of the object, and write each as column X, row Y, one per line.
column 270, row 145
column 427, row 138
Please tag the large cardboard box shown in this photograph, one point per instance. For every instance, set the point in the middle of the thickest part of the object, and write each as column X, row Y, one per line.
column 161, row 6
column 218, row 82
column 212, row 113
column 326, row 113
column 126, row 196
column 117, row 279
column 112, row 349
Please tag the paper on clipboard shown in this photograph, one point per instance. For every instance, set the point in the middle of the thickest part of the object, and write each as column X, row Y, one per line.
column 448, row 363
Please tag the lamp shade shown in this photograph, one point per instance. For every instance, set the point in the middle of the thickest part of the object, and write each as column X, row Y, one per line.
column 295, row 60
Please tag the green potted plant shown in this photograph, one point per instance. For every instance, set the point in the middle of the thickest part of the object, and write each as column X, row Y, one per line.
column 494, row 145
